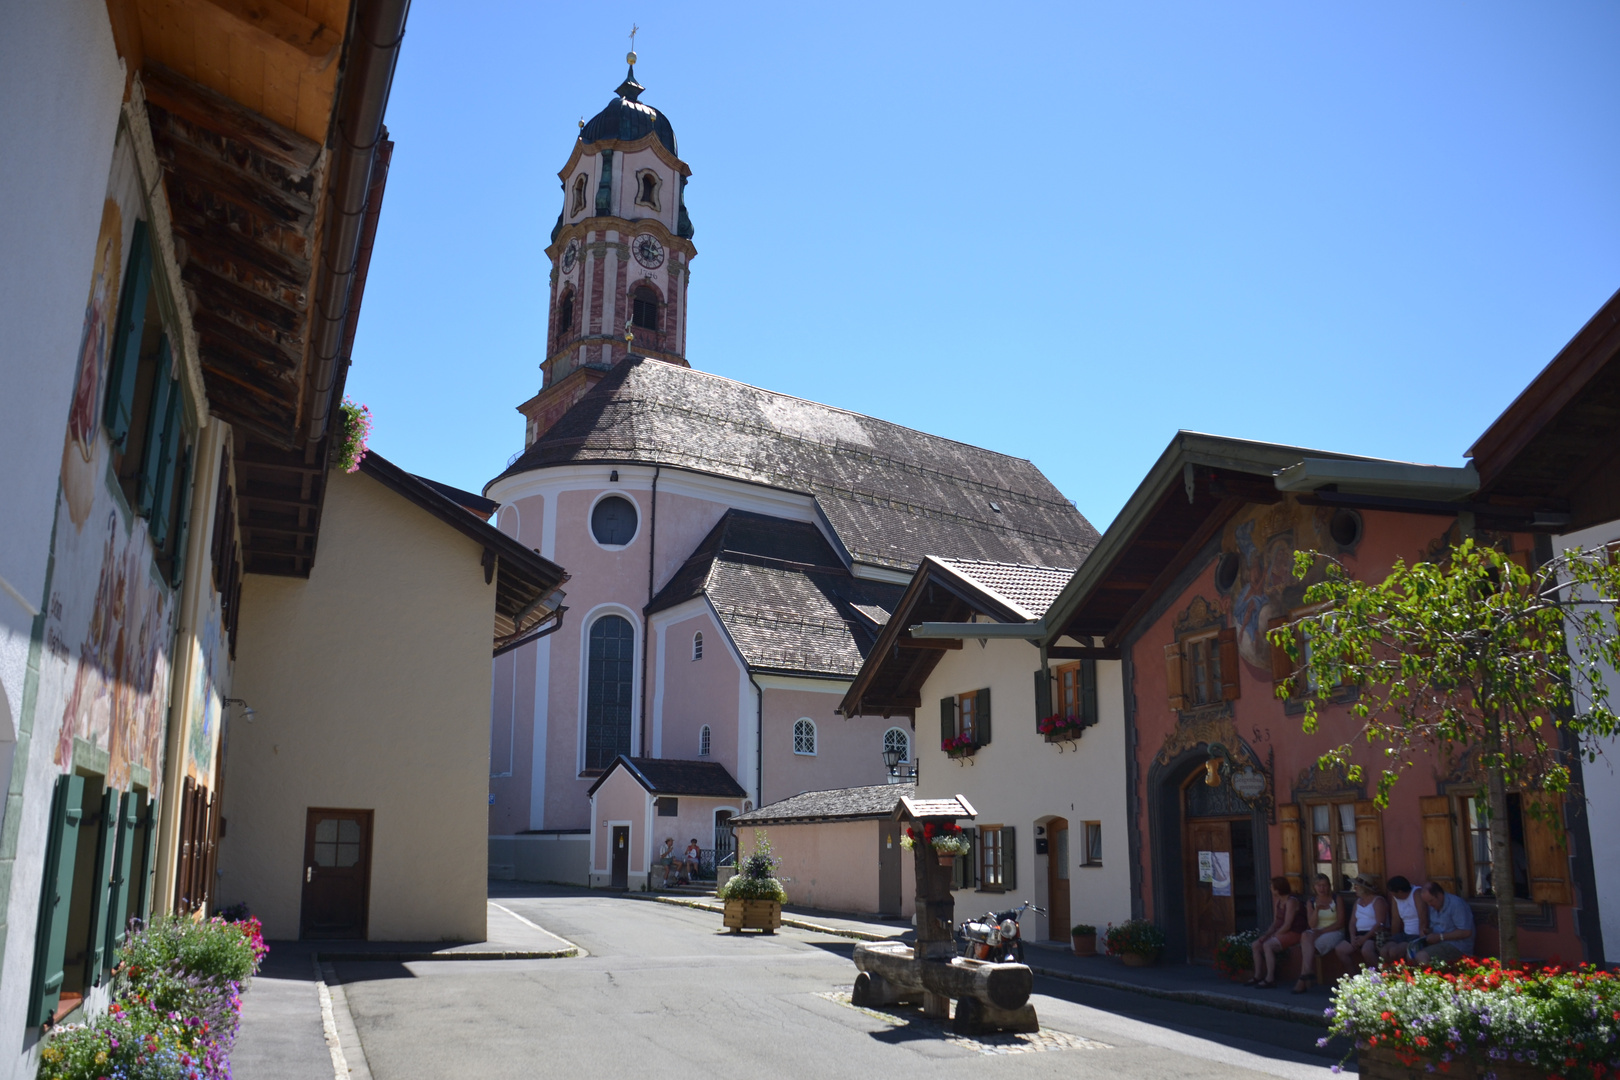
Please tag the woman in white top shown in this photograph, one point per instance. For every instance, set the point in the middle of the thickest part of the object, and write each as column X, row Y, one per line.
column 1368, row 919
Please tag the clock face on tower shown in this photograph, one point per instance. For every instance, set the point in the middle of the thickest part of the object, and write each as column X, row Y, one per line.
column 570, row 256
column 648, row 251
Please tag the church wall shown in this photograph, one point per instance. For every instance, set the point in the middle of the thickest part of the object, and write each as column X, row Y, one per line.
column 692, row 693
column 848, row 752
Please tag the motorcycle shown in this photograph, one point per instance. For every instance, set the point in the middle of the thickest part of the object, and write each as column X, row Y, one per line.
column 995, row 936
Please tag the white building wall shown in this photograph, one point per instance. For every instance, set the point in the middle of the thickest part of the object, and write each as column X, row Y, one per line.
column 1020, row 780
column 1602, row 779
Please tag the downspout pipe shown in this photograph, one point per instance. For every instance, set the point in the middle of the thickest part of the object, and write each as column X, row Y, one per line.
column 646, row 619
column 373, row 52
column 759, row 743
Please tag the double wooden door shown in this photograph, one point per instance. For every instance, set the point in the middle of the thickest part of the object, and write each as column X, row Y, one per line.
column 337, row 873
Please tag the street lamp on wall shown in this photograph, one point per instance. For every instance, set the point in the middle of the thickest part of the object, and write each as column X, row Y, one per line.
column 899, row 768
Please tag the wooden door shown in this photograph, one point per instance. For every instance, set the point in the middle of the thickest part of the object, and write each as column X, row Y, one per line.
column 337, row 874
column 889, row 867
column 1057, row 879
column 1209, row 917
column 621, row 856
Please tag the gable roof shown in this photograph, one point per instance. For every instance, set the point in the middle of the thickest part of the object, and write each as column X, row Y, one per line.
column 782, row 594
column 846, row 804
column 669, row 776
column 476, row 505
column 890, row 494
column 1027, row 590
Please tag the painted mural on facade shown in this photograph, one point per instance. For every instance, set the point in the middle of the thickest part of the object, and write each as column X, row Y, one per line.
column 210, row 672
column 105, row 674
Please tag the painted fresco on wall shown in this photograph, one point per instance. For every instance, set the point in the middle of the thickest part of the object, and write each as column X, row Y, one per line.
column 1264, row 538
column 110, row 617
column 210, row 673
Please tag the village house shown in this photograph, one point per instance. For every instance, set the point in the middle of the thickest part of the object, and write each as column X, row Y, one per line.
column 733, row 552
column 1035, row 747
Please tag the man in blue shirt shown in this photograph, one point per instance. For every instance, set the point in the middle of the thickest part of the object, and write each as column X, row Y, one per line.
column 1451, row 927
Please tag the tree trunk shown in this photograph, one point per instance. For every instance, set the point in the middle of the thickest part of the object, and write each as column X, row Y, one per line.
column 1507, row 921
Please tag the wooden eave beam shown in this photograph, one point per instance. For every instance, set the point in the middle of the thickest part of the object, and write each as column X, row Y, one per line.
column 1214, row 520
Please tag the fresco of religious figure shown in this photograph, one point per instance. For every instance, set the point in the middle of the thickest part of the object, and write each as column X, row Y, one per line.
column 79, row 452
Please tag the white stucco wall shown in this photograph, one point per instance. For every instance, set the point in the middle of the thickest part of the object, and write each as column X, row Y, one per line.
column 1020, row 780
column 1602, row 779
column 371, row 683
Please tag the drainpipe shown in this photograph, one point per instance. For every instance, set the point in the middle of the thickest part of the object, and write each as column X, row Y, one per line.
column 759, row 743
column 374, row 41
column 646, row 619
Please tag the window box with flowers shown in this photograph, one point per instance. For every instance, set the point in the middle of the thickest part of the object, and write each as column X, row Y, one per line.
column 1058, row 728
column 948, row 841
column 964, row 723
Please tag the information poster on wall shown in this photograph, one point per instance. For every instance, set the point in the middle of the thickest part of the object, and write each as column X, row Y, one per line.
column 1221, row 872
column 1206, row 867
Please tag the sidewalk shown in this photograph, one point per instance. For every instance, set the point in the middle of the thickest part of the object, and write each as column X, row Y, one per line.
column 1177, row 982
column 286, row 1032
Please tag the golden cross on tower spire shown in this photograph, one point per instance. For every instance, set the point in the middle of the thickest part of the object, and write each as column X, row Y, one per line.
column 632, row 55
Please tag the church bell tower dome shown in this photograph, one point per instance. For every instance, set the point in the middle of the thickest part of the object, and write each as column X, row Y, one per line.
column 620, row 254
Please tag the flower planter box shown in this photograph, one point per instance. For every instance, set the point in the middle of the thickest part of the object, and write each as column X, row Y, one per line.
column 1134, row 959
column 1378, row 1063
column 962, row 752
column 762, row 915
column 1064, row 734
column 1084, row 944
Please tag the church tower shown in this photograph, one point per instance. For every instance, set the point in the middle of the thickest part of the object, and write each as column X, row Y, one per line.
column 619, row 254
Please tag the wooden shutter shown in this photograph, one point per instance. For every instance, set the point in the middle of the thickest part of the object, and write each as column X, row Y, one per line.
column 177, row 564
column 126, row 350
column 1088, row 691
column 158, row 423
column 1281, row 666
column 56, row 898
column 1043, row 695
column 210, row 851
column 146, row 862
column 1546, row 849
column 1174, row 671
column 129, row 819
column 1439, row 848
column 182, row 864
column 1009, row 858
column 1293, row 846
column 106, row 826
column 981, row 717
column 1228, row 653
column 965, row 871
column 1370, row 839
column 169, row 453
column 947, row 719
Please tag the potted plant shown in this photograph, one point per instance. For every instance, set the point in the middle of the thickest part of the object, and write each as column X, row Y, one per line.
column 754, row 895
column 959, row 746
column 1084, row 938
column 1234, row 954
column 1137, row 942
column 948, row 841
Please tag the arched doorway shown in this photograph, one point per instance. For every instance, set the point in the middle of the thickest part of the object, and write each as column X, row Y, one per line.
column 1057, row 879
column 1218, row 864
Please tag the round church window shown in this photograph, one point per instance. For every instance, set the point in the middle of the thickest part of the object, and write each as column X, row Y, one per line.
column 613, row 521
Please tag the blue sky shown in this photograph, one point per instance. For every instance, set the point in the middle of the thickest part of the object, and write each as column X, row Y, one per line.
column 1061, row 232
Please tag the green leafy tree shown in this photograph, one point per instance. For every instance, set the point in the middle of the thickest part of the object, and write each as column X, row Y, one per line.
column 1470, row 653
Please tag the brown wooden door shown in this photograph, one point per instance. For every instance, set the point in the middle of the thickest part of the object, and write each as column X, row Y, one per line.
column 1057, row 879
column 1209, row 917
column 889, row 868
column 621, row 856
column 337, row 874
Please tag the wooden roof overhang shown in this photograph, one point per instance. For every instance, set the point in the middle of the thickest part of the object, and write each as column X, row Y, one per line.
column 1556, row 448
column 890, row 680
column 266, row 119
column 526, row 583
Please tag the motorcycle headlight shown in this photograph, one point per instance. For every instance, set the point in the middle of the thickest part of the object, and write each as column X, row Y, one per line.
column 1009, row 928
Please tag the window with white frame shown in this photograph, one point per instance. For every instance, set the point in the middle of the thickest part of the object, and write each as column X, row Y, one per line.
column 697, row 646
column 703, row 741
column 804, row 736
column 897, row 739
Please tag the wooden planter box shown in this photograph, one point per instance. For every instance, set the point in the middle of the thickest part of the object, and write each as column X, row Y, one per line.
column 1381, row 1064
column 962, row 752
column 762, row 915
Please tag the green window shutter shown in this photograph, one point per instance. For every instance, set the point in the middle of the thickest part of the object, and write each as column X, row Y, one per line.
column 101, row 885
column 173, row 448
column 1088, row 691
column 126, row 345
column 981, row 717
column 964, row 872
column 129, row 819
column 1009, row 858
column 56, row 898
column 144, row 860
column 159, row 428
column 947, row 719
column 182, row 492
column 1043, row 695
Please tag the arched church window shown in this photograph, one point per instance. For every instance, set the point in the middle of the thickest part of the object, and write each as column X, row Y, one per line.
column 705, row 741
column 897, row 739
column 804, row 736
column 644, row 311
column 609, row 678
column 647, row 189
column 579, row 194
column 697, row 646
column 613, row 521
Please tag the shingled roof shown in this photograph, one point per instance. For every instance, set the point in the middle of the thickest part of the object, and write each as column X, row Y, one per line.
column 1028, row 590
column 891, row 494
column 782, row 594
column 876, row 801
column 667, row 776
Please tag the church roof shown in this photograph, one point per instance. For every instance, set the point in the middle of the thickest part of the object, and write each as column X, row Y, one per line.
column 891, row 494
column 782, row 595
column 627, row 119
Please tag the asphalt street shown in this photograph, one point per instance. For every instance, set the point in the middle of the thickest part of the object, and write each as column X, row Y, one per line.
column 663, row 993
